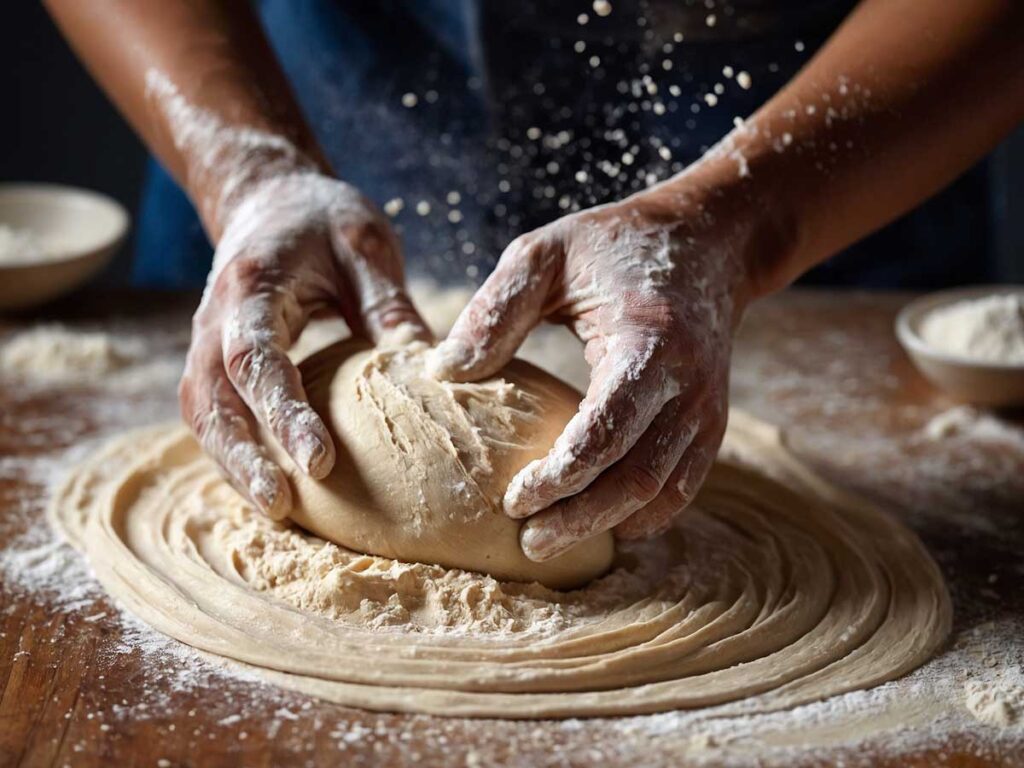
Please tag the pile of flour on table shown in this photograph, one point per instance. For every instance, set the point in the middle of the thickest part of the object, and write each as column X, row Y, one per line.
column 53, row 354
column 56, row 352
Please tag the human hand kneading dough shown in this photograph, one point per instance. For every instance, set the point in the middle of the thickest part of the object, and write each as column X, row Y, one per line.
column 655, row 284
column 654, row 295
column 295, row 244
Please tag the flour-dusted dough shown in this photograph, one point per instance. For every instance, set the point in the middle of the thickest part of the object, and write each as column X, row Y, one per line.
column 422, row 464
column 774, row 589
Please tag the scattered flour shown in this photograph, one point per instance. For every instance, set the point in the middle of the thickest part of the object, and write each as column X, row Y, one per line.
column 989, row 329
column 998, row 700
column 55, row 352
column 969, row 423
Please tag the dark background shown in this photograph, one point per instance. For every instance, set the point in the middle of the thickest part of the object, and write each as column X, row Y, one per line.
column 59, row 127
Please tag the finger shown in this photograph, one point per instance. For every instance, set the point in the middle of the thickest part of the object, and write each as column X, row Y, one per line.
column 498, row 318
column 393, row 319
column 679, row 492
column 221, row 423
column 254, row 341
column 623, row 489
column 371, row 261
column 628, row 389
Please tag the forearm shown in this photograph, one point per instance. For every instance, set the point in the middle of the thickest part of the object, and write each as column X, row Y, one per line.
column 905, row 96
column 200, row 84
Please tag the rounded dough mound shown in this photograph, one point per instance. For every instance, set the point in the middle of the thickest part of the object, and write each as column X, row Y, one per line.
column 422, row 465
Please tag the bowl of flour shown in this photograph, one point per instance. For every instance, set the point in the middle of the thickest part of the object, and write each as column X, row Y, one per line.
column 969, row 342
column 53, row 239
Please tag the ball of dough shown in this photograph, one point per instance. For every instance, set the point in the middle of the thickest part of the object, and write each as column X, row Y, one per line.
column 422, row 465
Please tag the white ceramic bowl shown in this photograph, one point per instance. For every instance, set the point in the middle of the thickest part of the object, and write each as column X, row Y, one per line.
column 984, row 383
column 79, row 232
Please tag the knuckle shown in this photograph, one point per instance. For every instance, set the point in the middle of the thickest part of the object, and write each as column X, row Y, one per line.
column 639, row 484
column 372, row 239
column 658, row 317
column 243, row 274
column 530, row 254
column 247, row 363
column 664, row 319
column 202, row 319
column 201, row 420
column 692, row 477
column 576, row 527
column 241, row 362
column 517, row 247
column 608, row 430
column 394, row 311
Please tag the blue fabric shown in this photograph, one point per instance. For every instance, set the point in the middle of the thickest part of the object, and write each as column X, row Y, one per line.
column 476, row 67
column 171, row 249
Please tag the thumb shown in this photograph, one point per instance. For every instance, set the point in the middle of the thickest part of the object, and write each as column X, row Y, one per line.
column 498, row 318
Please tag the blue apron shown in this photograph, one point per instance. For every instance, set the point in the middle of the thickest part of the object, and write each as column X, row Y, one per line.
column 489, row 118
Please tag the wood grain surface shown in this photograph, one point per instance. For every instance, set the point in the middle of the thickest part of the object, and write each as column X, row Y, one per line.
column 82, row 685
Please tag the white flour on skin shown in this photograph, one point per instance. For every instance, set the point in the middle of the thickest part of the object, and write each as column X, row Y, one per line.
column 986, row 330
column 263, row 228
column 278, row 216
column 623, row 365
column 233, row 156
column 605, row 250
column 729, row 146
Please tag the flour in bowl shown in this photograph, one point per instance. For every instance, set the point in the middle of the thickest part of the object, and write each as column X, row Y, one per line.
column 19, row 246
column 986, row 330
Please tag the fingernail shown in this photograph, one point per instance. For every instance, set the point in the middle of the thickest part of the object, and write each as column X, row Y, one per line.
column 540, row 543
column 308, row 442
column 448, row 357
column 270, row 493
column 519, row 500
column 512, row 502
column 314, row 458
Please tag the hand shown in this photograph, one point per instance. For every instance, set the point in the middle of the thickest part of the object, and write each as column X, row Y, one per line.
column 291, row 246
column 654, row 294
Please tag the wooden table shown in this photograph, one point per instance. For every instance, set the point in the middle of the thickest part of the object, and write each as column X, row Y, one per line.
column 82, row 685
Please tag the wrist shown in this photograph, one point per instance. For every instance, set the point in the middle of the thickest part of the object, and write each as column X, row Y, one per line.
column 235, row 167
column 740, row 202
column 216, row 157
